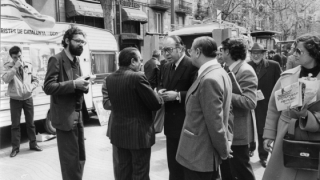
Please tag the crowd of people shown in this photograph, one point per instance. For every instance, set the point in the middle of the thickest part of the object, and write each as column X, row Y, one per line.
column 216, row 105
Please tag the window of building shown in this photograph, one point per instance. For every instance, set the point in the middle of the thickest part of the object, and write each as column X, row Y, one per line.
column 91, row 21
column 158, row 22
column 180, row 20
column 102, row 63
column 131, row 27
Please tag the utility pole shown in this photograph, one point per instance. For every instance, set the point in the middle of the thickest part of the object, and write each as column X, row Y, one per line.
column 172, row 15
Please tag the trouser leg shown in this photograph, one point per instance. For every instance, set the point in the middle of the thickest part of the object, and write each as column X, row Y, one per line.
column 15, row 110
column 240, row 163
column 29, row 115
column 141, row 164
column 175, row 169
column 226, row 173
column 123, row 168
column 71, row 152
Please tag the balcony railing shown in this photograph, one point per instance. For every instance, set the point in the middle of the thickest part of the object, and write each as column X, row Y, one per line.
column 160, row 4
column 183, row 7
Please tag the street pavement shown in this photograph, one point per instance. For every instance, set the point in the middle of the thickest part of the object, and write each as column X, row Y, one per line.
column 32, row 165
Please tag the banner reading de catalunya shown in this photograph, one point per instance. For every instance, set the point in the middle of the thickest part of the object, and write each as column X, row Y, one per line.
column 22, row 10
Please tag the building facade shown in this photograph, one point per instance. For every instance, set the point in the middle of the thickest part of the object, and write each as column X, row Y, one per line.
column 132, row 19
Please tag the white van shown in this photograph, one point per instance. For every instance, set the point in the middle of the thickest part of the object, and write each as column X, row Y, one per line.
column 98, row 58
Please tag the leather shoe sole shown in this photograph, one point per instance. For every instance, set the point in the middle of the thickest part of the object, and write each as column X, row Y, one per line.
column 36, row 148
column 263, row 163
column 14, row 153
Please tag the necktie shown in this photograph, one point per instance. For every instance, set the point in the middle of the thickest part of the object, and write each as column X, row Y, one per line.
column 172, row 71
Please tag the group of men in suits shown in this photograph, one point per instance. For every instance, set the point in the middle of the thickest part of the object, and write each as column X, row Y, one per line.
column 197, row 96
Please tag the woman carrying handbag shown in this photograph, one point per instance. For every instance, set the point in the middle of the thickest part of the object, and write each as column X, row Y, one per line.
column 307, row 52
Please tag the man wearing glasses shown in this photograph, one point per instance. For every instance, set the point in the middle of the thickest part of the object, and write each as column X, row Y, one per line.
column 268, row 73
column 66, row 85
column 177, row 77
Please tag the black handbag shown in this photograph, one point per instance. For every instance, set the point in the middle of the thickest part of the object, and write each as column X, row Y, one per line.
column 301, row 148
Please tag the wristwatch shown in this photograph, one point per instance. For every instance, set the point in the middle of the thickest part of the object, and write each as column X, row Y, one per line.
column 304, row 117
column 178, row 96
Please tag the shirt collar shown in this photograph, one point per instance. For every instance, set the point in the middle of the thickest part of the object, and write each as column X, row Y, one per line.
column 178, row 62
column 234, row 64
column 206, row 65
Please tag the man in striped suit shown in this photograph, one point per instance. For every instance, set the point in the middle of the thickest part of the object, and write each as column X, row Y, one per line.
column 127, row 93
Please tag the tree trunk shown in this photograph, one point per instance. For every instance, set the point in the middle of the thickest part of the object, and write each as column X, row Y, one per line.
column 107, row 14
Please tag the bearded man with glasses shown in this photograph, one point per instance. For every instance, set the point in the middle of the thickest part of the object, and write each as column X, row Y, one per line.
column 176, row 78
column 66, row 85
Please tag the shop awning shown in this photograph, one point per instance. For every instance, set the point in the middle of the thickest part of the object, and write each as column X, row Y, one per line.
column 134, row 15
column 81, row 8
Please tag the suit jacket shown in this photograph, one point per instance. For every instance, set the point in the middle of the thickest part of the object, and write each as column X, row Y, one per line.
column 268, row 77
column 59, row 84
column 131, row 103
column 243, row 104
column 204, row 139
column 151, row 69
column 181, row 82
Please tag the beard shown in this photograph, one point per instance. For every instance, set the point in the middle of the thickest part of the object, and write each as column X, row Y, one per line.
column 76, row 51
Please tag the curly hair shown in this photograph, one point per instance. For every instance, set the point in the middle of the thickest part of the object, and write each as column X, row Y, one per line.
column 237, row 48
column 312, row 45
column 69, row 34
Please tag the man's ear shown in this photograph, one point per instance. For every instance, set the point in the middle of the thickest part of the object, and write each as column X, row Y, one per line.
column 132, row 61
column 67, row 41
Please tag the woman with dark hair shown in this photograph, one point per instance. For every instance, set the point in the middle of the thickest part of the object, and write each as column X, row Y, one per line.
column 307, row 52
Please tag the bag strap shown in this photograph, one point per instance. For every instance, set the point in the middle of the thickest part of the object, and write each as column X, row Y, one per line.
column 292, row 127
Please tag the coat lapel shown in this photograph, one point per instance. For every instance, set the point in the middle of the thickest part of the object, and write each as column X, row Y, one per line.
column 178, row 73
column 166, row 75
column 67, row 65
column 197, row 81
column 264, row 68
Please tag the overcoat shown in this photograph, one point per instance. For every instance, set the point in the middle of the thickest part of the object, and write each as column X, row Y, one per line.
column 277, row 126
column 267, row 78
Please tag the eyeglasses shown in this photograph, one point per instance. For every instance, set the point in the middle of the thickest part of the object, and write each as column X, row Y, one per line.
column 168, row 50
column 299, row 52
column 79, row 41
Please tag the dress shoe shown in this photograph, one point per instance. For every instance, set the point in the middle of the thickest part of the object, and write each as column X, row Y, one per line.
column 263, row 163
column 14, row 153
column 36, row 148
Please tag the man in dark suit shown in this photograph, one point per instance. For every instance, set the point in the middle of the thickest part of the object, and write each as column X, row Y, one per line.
column 131, row 100
column 152, row 68
column 177, row 77
column 204, row 140
column 243, row 101
column 268, row 72
column 66, row 85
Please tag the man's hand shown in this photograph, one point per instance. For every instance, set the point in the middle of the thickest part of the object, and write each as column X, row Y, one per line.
column 169, row 95
column 81, row 83
column 267, row 145
column 17, row 64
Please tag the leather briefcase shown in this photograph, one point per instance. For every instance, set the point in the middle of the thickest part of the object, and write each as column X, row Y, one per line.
column 300, row 154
